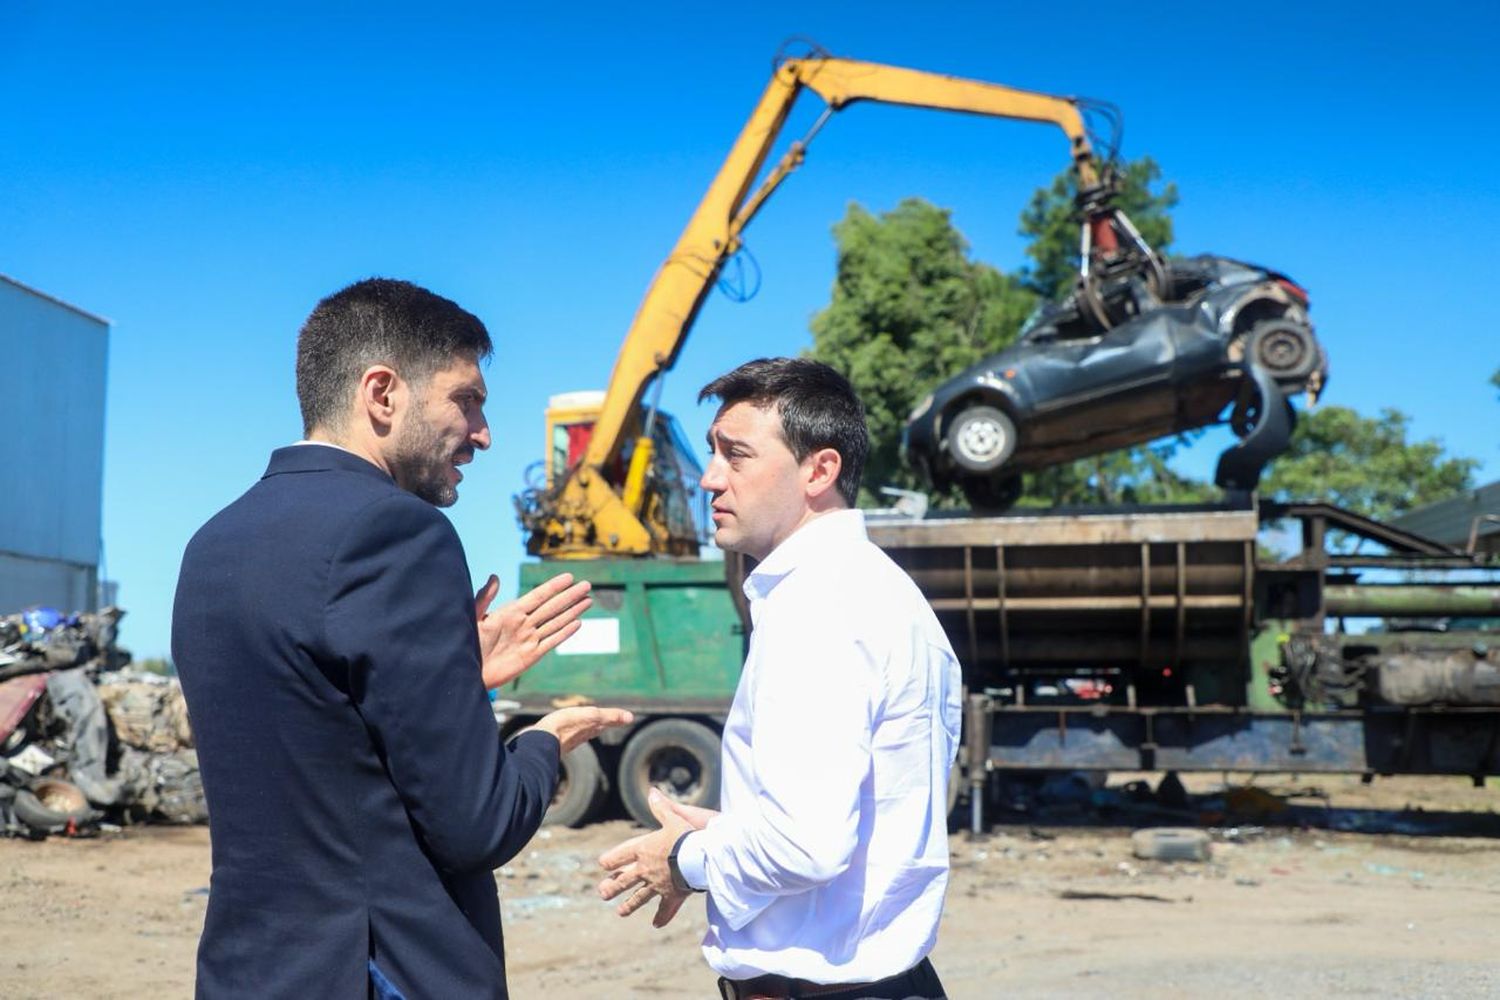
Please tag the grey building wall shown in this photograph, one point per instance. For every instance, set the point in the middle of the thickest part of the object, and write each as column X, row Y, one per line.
column 52, row 379
column 25, row 581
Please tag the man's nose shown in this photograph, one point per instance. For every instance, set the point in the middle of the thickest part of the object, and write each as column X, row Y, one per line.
column 711, row 480
column 481, row 437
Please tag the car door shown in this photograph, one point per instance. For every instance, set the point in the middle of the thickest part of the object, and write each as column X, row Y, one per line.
column 1079, row 372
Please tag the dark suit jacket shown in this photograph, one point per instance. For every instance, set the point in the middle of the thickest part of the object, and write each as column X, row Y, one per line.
column 358, row 793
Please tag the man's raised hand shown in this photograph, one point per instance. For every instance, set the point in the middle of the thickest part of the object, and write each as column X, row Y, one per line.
column 516, row 635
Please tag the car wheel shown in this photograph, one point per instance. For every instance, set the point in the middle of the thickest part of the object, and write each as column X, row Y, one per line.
column 991, row 494
column 677, row 756
column 581, row 789
column 1285, row 349
column 981, row 439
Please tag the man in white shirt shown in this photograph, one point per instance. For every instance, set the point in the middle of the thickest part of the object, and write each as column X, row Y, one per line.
column 826, row 869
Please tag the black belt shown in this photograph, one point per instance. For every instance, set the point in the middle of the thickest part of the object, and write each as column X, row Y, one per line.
column 774, row 987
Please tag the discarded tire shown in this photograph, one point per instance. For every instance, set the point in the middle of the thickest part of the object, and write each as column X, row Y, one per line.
column 678, row 756
column 1169, row 843
column 580, row 791
column 50, row 804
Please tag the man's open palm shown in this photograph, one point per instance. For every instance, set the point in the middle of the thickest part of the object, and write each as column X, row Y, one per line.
column 516, row 635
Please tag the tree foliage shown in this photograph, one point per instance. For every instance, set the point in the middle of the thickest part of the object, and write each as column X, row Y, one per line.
column 909, row 309
column 155, row 665
column 1365, row 464
column 1135, row 475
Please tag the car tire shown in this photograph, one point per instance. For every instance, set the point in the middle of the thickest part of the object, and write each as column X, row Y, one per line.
column 1285, row 349
column 987, row 493
column 981, row 439
column 678, row 756
column 581, row 788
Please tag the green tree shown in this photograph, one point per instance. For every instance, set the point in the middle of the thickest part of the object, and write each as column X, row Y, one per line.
column 1364, row 464
column 1135, row 475
column 156, row 665
column 1051, row 220
column 909, row 309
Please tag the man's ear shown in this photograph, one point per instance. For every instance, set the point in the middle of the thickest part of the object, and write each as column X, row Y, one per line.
column 823, row 467
column 381, row 393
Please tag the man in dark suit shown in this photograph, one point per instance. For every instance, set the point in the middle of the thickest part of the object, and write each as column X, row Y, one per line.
column 335, row 666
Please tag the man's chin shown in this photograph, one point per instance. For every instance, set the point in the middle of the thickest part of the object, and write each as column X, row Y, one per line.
column 438, row 492
column 729, row 540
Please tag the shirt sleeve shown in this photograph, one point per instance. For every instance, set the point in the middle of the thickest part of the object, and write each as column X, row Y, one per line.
column 813, row 702
column 400, row 622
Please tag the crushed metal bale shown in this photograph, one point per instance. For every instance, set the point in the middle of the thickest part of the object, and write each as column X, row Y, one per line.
column 85, row 739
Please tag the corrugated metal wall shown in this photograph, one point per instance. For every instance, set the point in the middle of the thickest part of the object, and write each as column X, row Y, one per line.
column 52, row 372
column 56, row 584
column 1451, row 521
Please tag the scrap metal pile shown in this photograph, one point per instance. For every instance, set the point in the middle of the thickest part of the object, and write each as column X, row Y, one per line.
column 84, row 739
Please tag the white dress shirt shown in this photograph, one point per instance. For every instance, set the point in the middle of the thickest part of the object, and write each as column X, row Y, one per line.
column 829, row 859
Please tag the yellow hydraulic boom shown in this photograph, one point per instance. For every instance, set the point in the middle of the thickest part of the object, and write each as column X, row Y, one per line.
column 587, row 513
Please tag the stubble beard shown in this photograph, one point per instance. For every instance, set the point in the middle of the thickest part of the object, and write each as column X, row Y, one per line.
column 421, row 461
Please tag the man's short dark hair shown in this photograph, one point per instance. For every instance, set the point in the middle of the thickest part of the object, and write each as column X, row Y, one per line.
column 818, row 407
column 378, row 321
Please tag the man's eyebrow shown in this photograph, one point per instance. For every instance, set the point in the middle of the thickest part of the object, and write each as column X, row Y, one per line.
column 725, row 441
column 472, row 390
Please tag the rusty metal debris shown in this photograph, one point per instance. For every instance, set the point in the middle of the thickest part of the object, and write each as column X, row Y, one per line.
column 84, row 738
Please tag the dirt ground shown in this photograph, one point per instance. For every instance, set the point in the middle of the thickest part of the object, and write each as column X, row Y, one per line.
column 1032, row 911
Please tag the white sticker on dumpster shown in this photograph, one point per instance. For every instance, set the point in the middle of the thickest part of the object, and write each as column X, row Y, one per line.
column 595, row 637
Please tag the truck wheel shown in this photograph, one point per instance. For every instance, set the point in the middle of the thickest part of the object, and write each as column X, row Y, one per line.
column 678, row 756
column 981, row 439
column 581, row 790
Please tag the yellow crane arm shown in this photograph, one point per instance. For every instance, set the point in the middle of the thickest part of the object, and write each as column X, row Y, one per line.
column 588, row 515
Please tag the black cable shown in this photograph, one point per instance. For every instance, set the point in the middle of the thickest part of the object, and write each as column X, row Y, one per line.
column 783, row 53
column 1100, row 117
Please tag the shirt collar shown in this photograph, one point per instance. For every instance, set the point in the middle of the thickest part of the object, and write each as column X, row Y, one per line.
column 318, row 456
column 325, row 444
column 809, row 542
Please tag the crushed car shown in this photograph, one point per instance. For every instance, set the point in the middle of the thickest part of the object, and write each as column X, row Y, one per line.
column 85, row 740
column 1183, row 345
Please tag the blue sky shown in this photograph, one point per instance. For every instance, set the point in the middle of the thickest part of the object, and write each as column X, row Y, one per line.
column 202, row 174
